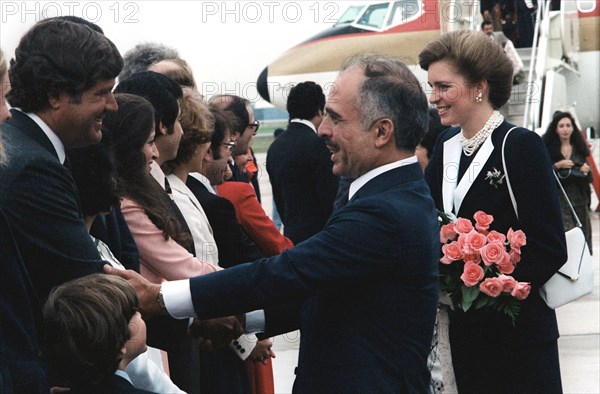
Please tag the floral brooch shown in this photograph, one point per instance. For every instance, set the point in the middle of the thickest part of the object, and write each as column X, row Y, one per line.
column 495, row 177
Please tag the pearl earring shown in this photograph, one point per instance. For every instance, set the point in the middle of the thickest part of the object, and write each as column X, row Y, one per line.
column 479, row 98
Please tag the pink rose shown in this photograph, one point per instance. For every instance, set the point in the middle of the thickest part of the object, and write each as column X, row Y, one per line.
column 472, row 258
column 483, row 220
column 492, row 287
column 508, row 283
column 451, row 252
column 474, row 241
column 447, row 233
column 463, row 226
column 472, row 274
column 495, row 236
column 504, row 265
column 516, row 239
column 521, row 290
column 492, row 253
column 515, row 256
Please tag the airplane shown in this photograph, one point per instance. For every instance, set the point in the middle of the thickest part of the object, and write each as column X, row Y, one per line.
column 568, row 54
column 564, row 69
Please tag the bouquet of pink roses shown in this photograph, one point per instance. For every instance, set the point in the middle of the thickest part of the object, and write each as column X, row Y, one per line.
column 477, row 264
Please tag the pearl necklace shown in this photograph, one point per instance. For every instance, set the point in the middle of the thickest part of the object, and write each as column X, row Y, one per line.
column 470, row 145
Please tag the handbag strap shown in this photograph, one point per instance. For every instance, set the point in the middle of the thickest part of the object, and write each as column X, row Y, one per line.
column 567, row 198
column 512, row 195
column 510, row 192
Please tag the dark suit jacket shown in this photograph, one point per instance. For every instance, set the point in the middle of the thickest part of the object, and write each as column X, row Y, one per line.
column 233, row 243
column 304, row 188
column 20, row 366
column 112, row 229
column 369, row 286
column 534, row 186
column 39, row 198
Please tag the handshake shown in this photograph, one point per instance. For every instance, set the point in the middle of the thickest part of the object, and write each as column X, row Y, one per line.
column 211, row 334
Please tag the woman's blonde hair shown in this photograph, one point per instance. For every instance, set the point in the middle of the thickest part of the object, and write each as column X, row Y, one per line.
column 476, row 58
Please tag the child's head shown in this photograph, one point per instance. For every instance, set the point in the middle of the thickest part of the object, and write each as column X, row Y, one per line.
column 92, row 328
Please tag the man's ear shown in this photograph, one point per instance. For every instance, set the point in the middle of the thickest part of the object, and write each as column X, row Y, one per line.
column 384, row 132
column 208, row 156
column 55, row 99
column 162, row 128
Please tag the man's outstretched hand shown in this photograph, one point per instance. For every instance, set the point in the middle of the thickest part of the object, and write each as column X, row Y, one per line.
column 147, row 292
column 215, row 333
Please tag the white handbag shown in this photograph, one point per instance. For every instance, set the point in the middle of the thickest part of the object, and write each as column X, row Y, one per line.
column 576, row 277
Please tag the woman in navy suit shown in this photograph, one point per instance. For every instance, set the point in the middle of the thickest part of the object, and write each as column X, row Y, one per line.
column 470, row 80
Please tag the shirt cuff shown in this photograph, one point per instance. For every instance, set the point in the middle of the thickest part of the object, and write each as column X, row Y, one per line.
column 178, row 298
column 255, row 322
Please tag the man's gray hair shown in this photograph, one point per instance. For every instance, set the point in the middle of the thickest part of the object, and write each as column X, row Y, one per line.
column 391, row 90
column 143, row 55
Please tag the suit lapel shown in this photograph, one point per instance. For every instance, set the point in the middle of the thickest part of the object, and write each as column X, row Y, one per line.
column 472, row 172
column 28, row 127
column 452, row 152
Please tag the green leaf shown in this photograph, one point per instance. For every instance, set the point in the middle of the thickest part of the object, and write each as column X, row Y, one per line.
column 482, row 301
column 469, row 294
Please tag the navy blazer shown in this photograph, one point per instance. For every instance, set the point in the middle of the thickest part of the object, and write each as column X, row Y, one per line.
column 40, row 200
column 20, row 366
column 534, row 186
column 369, row 285
column 304, row 188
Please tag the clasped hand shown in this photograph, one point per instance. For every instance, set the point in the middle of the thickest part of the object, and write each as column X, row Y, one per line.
column 211, row 334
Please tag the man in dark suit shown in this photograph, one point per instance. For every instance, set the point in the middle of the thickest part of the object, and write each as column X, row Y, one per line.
column 367, row 283
column 233, row 243
column 61, row 79
column 299, row 166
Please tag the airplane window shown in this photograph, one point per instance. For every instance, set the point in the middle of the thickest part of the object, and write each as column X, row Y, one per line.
column 586, row 5
column 403, row 12
column 350, row 14
column 374, row 15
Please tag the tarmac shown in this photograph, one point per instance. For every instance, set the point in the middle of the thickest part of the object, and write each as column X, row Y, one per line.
column 579, row 324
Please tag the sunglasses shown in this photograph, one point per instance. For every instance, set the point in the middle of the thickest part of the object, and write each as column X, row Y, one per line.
column 254, row 125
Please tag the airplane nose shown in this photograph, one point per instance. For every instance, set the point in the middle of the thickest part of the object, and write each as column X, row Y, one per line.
column 262, row 85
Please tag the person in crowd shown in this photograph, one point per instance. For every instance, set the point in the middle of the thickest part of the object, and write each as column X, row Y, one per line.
column 366, row 285
column 275, row 213
column 503, row 42
column 20, row 367
column 143, row 55
column 568, row 152
column 467, row 89
column 234, row 245
column 196, row 123
column 93, row 330
column 299, row 166
column 490, row 10
column 526, row 22
column 159, row 235
column 62, row 79
column 245, row 127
